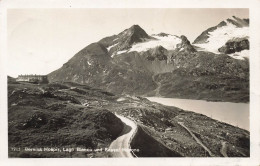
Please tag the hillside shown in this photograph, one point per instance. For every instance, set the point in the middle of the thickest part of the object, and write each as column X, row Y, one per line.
column 60, row 116
column 67, row 115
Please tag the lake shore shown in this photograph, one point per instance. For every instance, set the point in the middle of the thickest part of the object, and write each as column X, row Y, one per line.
column 236, row 114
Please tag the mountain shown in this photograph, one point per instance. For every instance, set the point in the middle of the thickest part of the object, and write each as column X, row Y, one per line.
column 125, row 39
column 230, row 37
column 133, row 62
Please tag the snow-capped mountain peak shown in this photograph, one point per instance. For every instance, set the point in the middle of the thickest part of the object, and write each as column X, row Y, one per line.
column 124, row 40
column 167, row 41
column 216, row 37
column 136, row 39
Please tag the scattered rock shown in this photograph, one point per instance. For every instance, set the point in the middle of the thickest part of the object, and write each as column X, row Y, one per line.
column 168, row 129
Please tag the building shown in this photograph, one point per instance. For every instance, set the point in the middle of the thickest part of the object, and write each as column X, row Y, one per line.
column 33, row 78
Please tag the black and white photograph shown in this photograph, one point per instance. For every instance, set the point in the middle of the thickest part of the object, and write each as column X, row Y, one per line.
column 128, row 83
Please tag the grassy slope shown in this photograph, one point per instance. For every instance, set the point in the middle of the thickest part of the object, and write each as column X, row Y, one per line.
column 53, row 116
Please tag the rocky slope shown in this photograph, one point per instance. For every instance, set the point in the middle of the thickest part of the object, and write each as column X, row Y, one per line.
column 133, row 62
column 235, row 45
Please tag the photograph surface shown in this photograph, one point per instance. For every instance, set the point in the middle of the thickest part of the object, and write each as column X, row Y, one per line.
column 128, row 82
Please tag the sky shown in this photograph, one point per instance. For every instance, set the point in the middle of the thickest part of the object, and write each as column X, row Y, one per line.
column 40, row 41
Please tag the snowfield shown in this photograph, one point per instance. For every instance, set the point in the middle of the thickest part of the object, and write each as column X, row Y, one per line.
column 221, row 35
column 169, row 42
column 108, row 48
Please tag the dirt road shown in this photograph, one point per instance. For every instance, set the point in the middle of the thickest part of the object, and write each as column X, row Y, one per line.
column 223, row 149
column 197, row 140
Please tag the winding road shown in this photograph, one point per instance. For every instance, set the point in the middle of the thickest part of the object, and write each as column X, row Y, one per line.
column 223, row 149
column 121, row 146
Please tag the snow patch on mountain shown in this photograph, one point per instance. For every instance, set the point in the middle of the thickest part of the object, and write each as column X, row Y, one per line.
column 115, row 39
column 108, row 48
column 240, row 55
column 169, row 42
column 221, row 35
column 119, row 52
column 123, row 51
